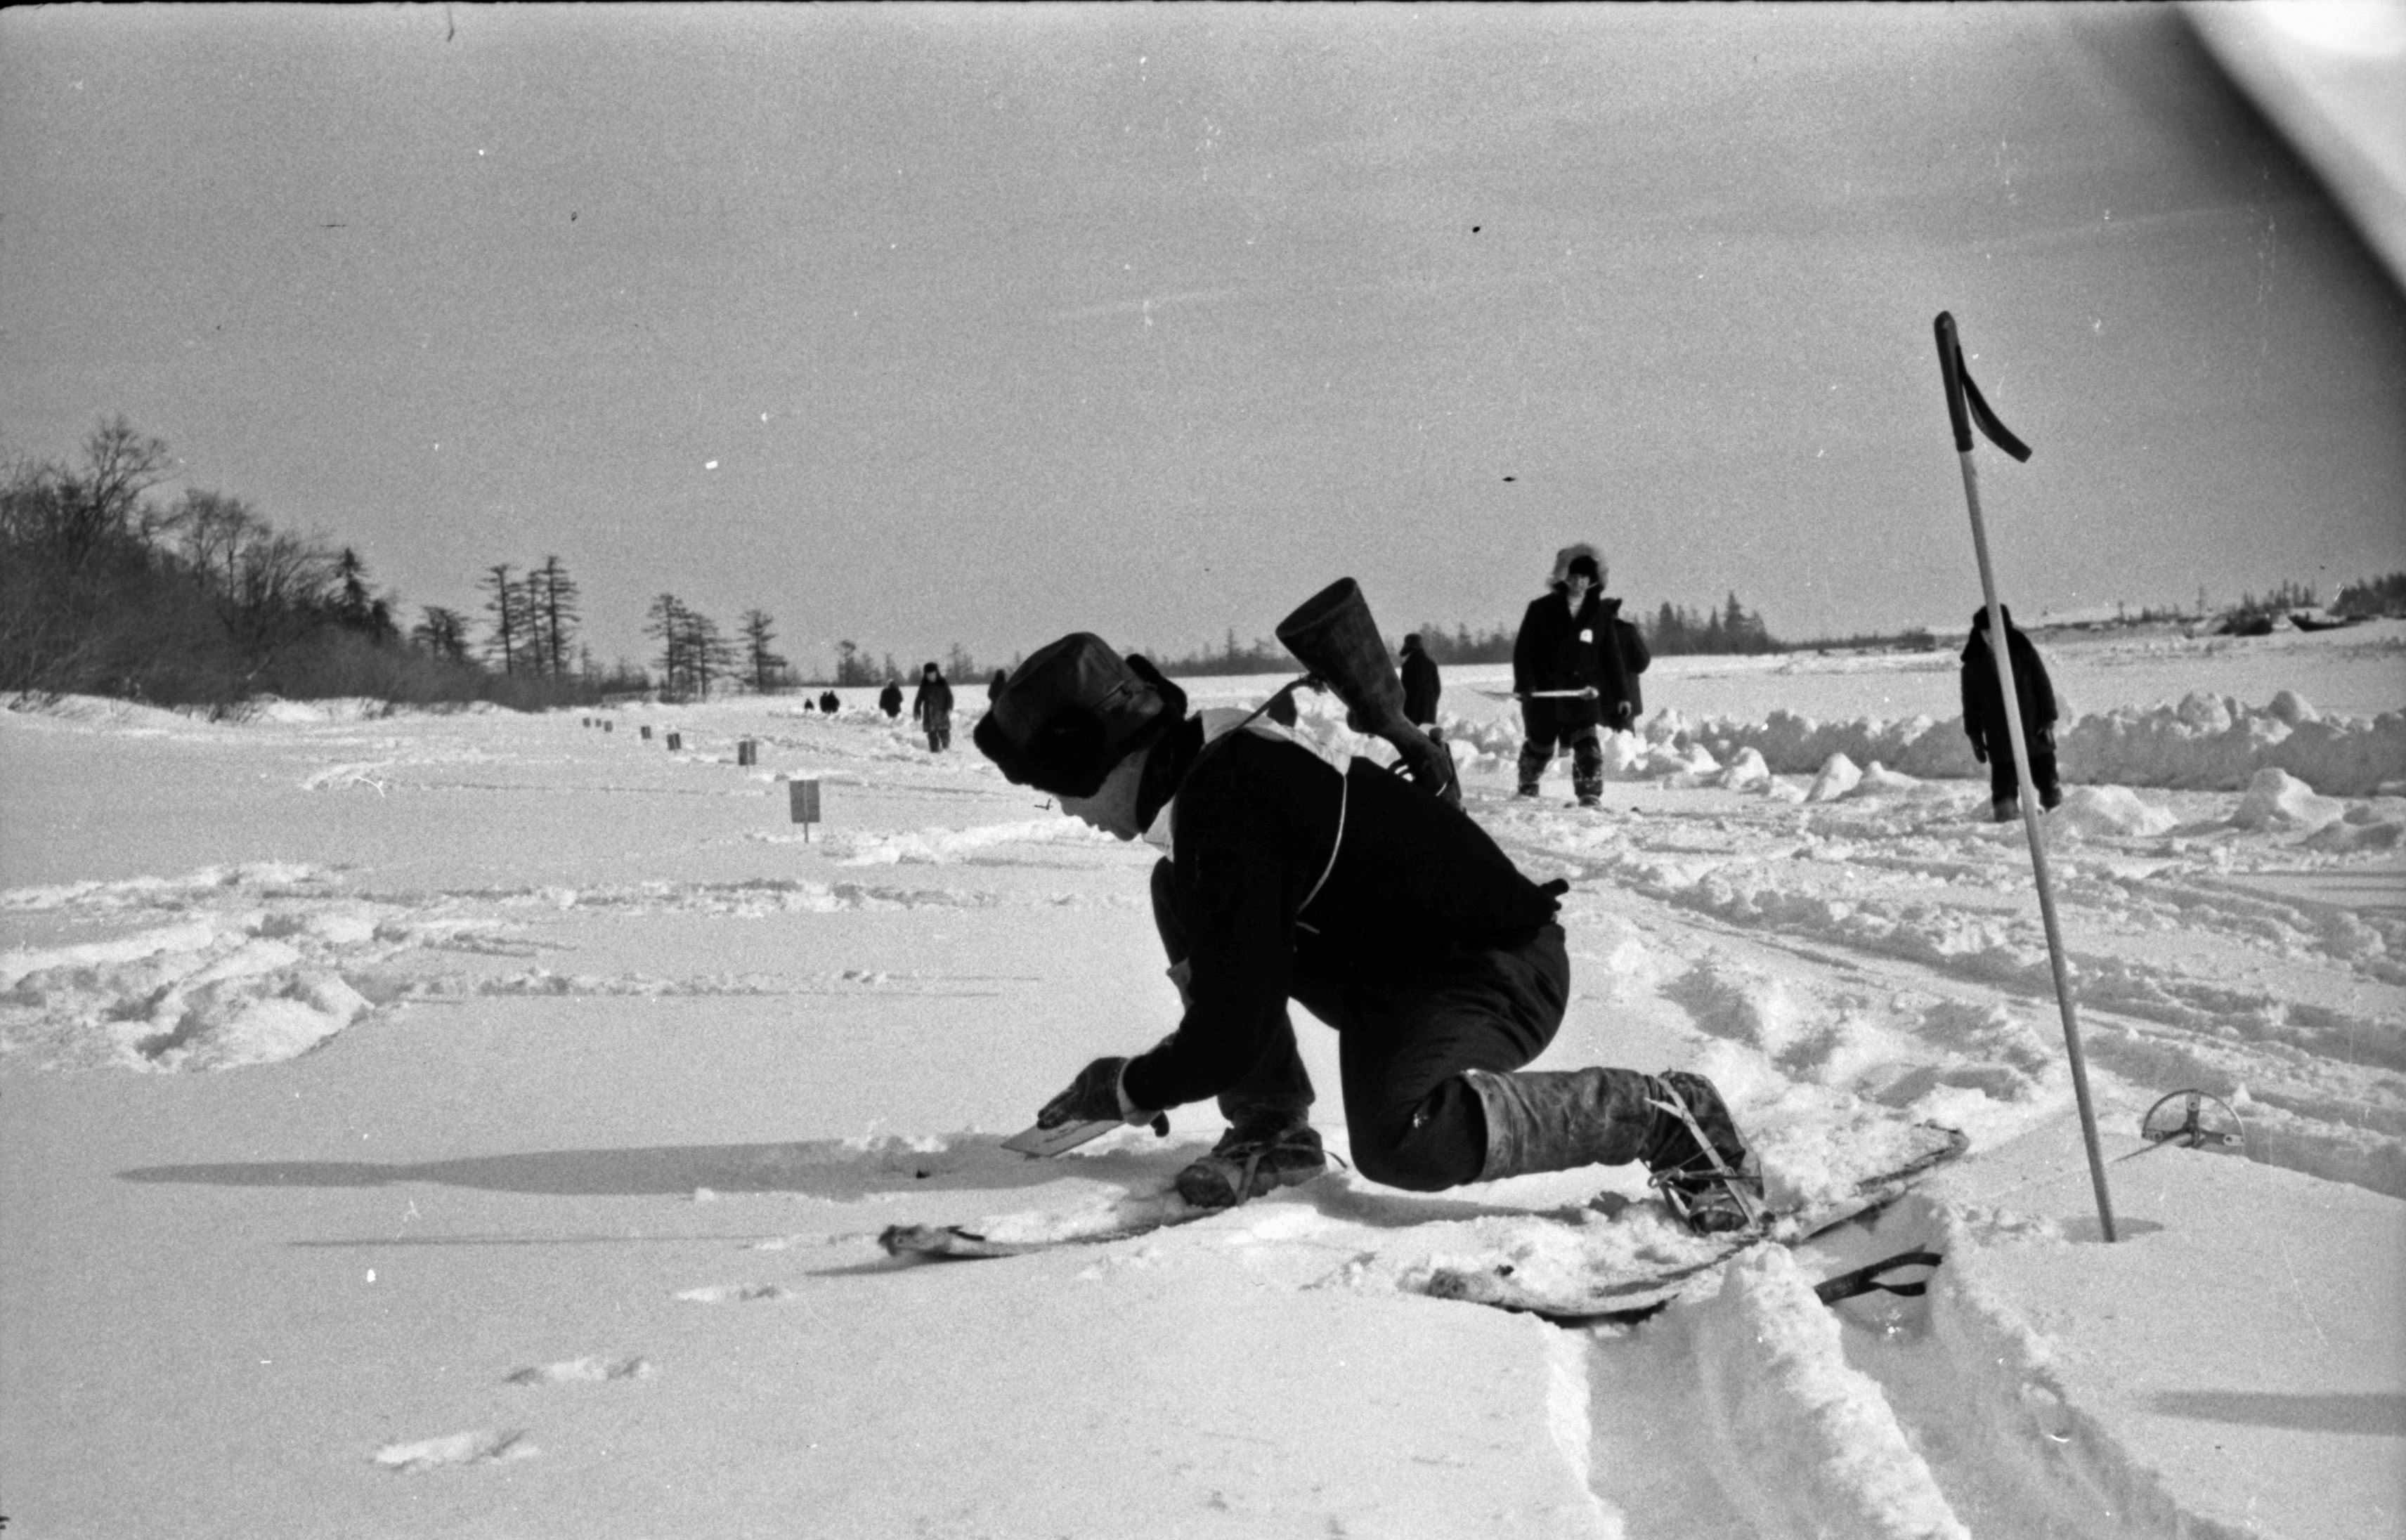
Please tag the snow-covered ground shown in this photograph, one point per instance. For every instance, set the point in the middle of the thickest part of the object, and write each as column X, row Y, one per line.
column 480, row 1125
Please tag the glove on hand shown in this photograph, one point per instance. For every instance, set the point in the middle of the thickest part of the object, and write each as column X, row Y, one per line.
column 1094, row 1096
column 1979, row 754
column 1425, row 760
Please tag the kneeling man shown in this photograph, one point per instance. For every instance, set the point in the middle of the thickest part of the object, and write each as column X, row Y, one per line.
column 1386, row 911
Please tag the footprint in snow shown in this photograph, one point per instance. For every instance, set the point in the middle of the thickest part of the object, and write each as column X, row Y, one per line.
column 735, row 1294
column 583, row 1370
column 484, row 1447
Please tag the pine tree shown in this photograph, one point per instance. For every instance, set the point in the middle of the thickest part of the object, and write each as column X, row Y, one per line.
column 765, row 666
column 667, row 620
column 442, row 632
column 506, row 604
column 710, row 656
column 551, row 600
column 852, row 664
column 351, row 604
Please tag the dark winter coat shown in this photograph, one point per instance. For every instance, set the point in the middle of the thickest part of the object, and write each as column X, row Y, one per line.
column 1253, row 824
column 890, row 700
column 1984, row 720
column 1557, row 650
column 931, row 706
column 1420, row 687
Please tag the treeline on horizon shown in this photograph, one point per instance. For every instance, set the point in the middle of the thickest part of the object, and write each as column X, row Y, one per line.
column 1670, row 630
column 203, row 602
column 104, row 591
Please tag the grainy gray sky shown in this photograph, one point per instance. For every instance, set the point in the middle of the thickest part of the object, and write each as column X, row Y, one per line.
column 916, row 325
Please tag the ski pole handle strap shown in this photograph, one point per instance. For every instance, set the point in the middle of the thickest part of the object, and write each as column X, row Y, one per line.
column 1950, row 370
column 1965, row 406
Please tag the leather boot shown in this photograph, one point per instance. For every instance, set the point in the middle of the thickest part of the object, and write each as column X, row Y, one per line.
column 1711, row 1183
column 1253, row 1158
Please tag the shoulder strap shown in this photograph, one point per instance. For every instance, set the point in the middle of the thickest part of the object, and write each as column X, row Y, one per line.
column 1344, row 800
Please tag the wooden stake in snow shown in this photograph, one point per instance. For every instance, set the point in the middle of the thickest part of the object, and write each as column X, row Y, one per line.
column 1964, row 409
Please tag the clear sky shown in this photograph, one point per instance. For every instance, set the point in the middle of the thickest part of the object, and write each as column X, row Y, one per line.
column 916, row 325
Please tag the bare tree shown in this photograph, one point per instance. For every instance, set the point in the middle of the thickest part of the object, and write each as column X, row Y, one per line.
column 118, row 466
column 281, row 582
column 211, row 530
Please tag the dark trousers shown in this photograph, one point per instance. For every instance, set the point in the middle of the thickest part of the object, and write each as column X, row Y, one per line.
column 1406, row 1028
column 2001, row 780
column 1574, row 725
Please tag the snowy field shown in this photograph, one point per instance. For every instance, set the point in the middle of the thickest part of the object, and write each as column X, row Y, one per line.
column 480, row 1125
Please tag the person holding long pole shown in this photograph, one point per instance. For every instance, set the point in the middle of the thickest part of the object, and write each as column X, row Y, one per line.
column 1575, row 664
column 1965, row 409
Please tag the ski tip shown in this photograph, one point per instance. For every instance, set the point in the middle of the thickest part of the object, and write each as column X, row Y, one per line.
column 905, row 1239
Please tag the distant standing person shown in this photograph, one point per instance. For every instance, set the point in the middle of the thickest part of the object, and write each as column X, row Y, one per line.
column 1575, row 667
column 829, row 703
column 932, row 708
column 890, row 700
column 1420, row 686
column 1984, row 716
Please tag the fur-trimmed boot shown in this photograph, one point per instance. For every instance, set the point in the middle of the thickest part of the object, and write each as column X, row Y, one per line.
column 1676, row 1122
column 1587, row 772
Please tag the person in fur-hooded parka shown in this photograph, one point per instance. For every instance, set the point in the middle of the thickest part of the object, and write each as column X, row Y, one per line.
column 1575, row 667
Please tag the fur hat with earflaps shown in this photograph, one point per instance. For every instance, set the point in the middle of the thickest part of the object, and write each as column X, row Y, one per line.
column 1074, row 710
column 1564, row 557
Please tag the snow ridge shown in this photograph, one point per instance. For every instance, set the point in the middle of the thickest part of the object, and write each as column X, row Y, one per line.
column 1825, row 1453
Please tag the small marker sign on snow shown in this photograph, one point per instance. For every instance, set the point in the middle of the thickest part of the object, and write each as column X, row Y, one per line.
column 803, row 796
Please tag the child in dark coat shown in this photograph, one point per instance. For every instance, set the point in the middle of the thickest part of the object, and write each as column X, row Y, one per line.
column 1984, row 716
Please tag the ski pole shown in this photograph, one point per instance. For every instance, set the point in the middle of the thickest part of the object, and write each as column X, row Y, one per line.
column 1964, row 407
